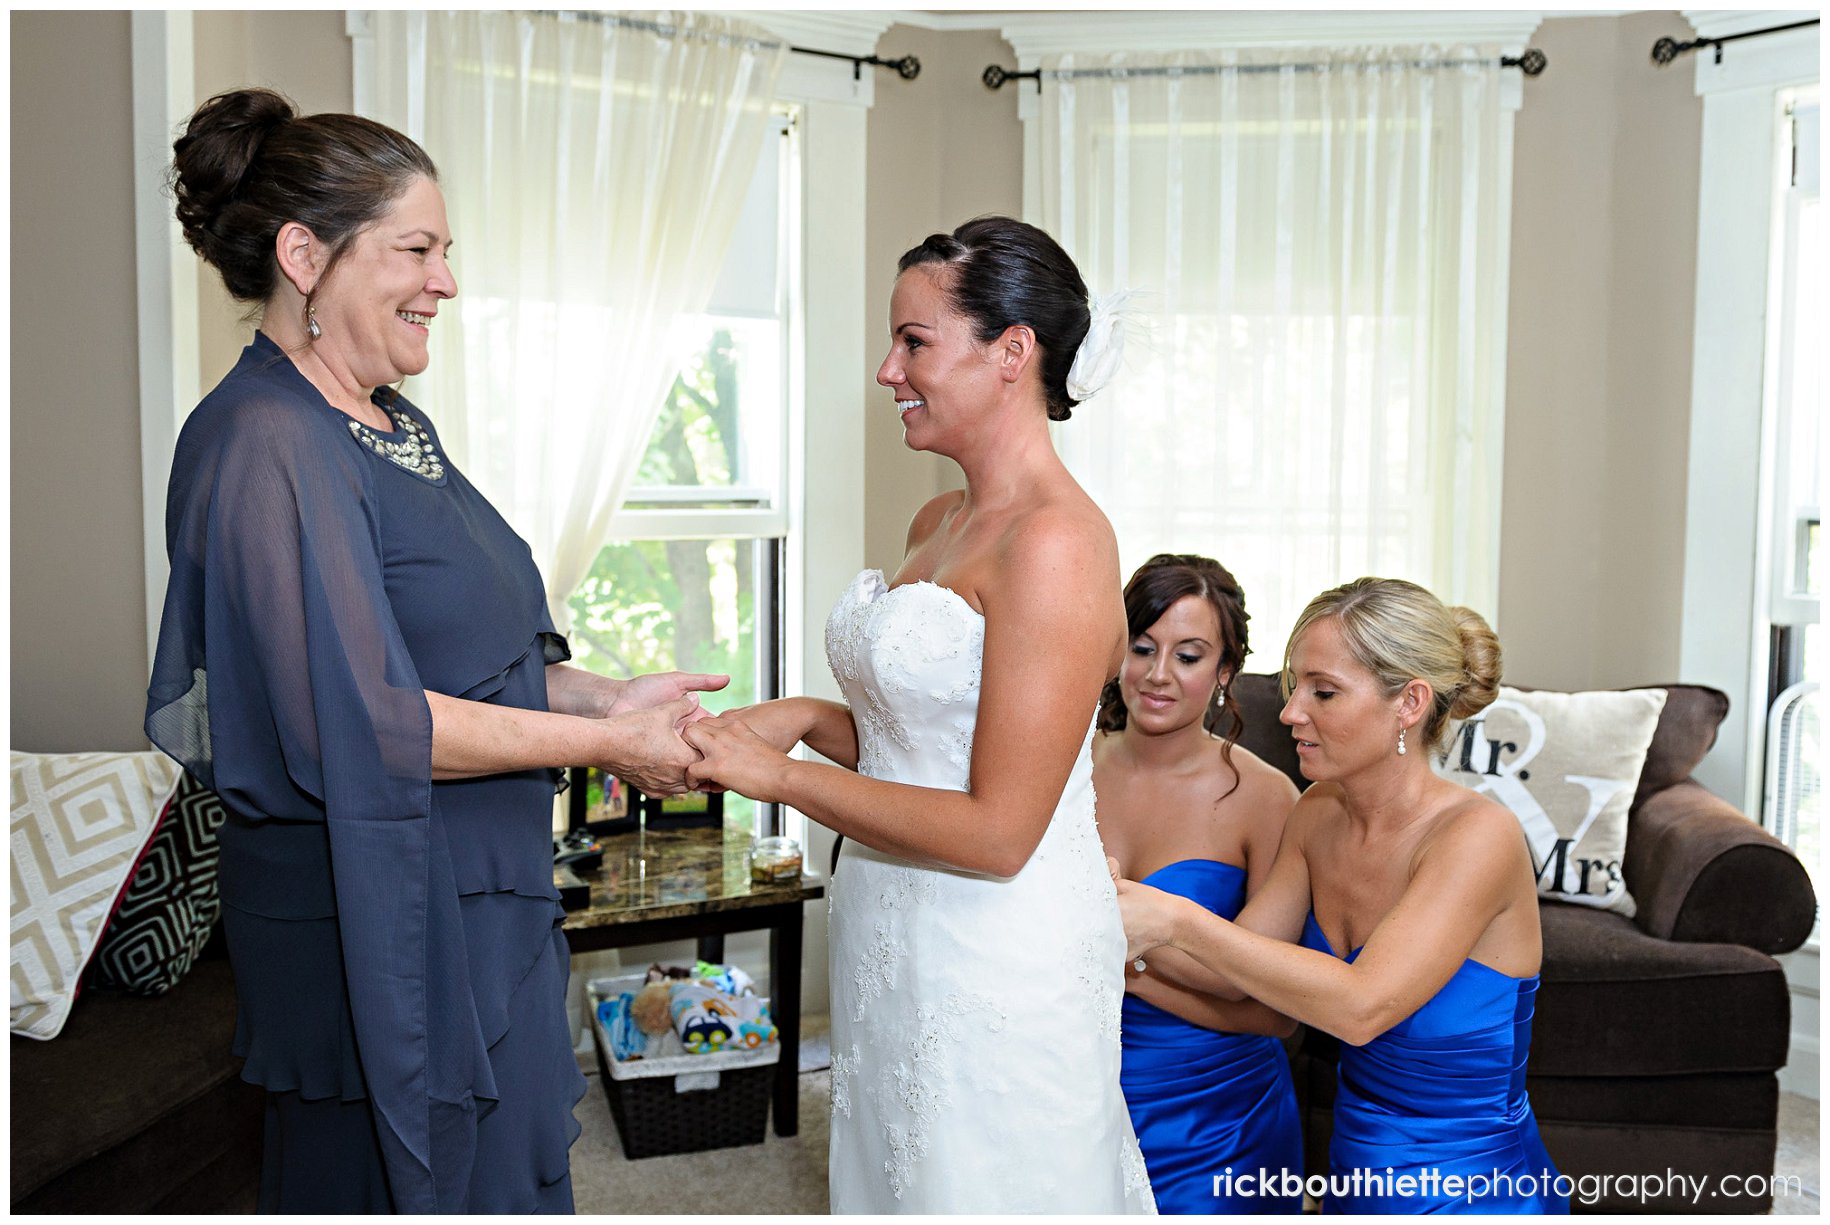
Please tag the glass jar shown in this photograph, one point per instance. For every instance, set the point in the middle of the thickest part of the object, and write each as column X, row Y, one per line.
column 775, row 859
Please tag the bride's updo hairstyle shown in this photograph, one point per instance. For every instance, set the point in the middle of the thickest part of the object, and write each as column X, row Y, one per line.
column 1400, row 632
column 248, row 163
column 1000, row 273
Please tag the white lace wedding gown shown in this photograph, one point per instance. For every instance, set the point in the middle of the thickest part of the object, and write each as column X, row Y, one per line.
column 975, row 1050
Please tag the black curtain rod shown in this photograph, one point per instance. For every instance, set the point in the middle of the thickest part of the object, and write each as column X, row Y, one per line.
column 1531, row 63
column 908, row 67
column 1667, row 49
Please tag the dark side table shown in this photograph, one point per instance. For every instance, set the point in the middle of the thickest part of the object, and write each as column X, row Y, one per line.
column 694, row 884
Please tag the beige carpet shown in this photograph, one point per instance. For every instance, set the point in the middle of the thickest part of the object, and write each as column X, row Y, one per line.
column 789, row 1176
column 777, row 1176
column 1798, row 1156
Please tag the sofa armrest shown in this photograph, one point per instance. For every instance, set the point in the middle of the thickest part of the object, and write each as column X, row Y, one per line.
column 1699, row 870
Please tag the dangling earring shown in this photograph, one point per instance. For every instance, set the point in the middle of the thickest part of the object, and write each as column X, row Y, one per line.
column 1401, row 742
column 1219, row 697
column 311, row 322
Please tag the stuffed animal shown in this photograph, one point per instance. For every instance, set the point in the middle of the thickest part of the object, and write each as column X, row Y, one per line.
column 652, row 1008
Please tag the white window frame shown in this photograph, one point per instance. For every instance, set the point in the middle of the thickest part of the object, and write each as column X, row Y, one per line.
column 1724, row 639
column 164, row 94
column 747, row 513
column 1788, row 603
column 1728, row 534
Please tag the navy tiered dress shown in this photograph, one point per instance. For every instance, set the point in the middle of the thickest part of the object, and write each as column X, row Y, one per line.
column 395, row 940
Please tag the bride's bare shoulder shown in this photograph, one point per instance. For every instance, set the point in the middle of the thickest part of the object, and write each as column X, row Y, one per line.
column 929, row 518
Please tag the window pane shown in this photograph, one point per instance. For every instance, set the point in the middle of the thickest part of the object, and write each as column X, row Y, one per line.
column 720, row 422
column 655, row 606
column 1805, row 793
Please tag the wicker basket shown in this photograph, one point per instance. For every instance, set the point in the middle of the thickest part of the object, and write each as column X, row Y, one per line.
column 683, row 1104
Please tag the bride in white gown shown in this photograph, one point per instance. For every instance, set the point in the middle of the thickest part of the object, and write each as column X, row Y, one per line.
column 977, row 953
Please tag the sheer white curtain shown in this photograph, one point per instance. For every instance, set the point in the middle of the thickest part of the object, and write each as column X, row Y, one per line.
column 594, row 167
column 1321, row 242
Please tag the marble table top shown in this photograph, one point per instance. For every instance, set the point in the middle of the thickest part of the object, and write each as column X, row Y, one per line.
column 664, row 874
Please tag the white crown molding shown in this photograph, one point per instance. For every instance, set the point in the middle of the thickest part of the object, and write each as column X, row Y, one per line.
column 848, row 32
column 951, row 23
column 810, row 78
column 983, row 19
column 1770, row 62
column 1717, row 23
column 1034, row 35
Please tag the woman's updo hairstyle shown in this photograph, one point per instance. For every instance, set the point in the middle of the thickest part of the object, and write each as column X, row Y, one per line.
column 1400, row 632
column 1159, row 583
column 1003, row 273
column 248, row 163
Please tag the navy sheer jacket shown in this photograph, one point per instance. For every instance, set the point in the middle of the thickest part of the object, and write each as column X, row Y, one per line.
column 323, row 577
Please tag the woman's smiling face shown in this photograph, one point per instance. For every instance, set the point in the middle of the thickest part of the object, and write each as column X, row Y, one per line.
column 376, row 306
column 1171, row 669
column 941, row 374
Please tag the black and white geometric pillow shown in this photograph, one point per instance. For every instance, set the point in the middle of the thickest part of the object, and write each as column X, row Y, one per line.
column 166, row 915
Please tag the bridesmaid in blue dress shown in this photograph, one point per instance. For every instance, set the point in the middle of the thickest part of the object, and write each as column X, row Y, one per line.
column 355, row 653
column 1400, row 915
column 1206, row 1080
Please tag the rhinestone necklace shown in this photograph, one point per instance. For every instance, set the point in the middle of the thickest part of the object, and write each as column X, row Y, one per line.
column 414, row 452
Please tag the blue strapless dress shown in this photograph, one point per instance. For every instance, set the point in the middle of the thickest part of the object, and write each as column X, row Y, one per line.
column 1205, row 1102
column 1440, row 1096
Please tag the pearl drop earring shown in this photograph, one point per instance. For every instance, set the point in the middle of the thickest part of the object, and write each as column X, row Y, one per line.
column 1401, row 742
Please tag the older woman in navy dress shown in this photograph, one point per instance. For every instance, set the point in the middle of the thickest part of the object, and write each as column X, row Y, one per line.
column 1206, row 1079
column 355, row 652
column 1400, row 915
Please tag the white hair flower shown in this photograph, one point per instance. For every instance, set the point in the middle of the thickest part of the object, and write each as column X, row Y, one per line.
column 1103, row 351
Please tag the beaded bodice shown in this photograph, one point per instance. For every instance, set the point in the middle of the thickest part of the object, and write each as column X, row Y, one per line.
column 411, row 448
column 908, row 660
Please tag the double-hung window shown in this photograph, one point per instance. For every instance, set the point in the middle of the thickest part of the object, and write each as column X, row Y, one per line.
column 1793, row 794
column 692, row 575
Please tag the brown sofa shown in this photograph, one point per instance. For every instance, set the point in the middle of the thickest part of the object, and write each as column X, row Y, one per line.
column 138, row 1106
column 1658, row 1039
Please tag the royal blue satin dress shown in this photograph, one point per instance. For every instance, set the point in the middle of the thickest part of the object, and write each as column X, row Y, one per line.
column 1440, row 1097
column 395, row 940
column 1205, row 1102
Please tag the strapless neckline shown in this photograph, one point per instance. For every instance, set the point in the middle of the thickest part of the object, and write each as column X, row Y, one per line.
column 884, row 590
column 939, row 1085
column 1220, row 864
column 1328, row 947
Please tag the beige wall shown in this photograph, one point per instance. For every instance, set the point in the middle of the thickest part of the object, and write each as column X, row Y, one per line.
column 79, row 662
column 304, row 55
column 79, row 640
column 1598, row 363
column 1657, row 156
column 943, row 149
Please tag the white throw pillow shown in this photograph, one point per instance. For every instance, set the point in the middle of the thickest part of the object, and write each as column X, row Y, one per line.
column 80, row 822
column 1567, row 765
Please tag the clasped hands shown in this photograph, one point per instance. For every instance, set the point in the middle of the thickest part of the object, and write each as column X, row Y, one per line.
column 674, row 745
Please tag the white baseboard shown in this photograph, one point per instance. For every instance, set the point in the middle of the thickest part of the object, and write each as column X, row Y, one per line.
column 1801, row 1071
